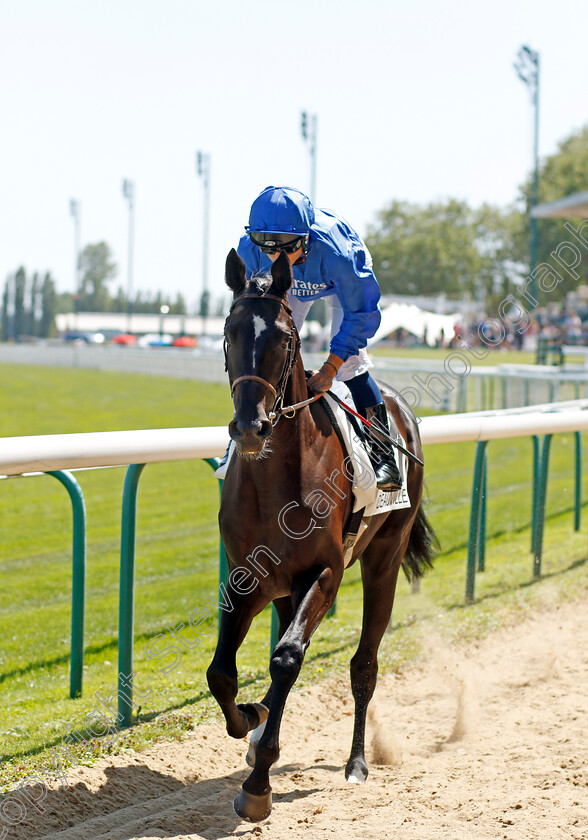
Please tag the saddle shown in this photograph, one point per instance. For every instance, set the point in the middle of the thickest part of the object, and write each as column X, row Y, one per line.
column 369, row 500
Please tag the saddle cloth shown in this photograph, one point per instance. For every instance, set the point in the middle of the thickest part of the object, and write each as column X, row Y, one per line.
column 366, row 493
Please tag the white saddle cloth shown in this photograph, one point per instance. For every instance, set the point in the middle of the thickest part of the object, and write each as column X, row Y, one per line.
column 364, row 486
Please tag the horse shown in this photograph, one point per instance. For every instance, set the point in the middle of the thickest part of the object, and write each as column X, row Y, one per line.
column 285, row 503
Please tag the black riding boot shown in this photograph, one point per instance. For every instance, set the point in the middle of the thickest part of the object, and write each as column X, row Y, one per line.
column 382, row 453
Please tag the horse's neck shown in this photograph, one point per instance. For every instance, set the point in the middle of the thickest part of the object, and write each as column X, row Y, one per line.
column 291, row 432
column 296, row 390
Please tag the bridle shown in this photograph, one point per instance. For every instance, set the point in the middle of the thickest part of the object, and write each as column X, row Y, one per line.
column 293, row 349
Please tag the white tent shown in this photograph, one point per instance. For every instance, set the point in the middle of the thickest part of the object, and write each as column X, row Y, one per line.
column 417, row 321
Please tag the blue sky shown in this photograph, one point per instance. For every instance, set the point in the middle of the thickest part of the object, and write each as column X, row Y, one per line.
column 415, row 101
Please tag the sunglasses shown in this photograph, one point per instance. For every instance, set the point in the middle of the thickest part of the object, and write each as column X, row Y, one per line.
column 270, row 244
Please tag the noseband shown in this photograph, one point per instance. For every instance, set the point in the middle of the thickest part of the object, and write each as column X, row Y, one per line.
column 293, row 348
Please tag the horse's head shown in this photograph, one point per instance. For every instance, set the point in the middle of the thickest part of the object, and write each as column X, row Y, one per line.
column 261, row 343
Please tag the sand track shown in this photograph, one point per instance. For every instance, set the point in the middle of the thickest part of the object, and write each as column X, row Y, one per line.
column 485, row 741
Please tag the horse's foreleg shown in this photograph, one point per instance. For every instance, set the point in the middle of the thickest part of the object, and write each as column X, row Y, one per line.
column 254, row 802
column 222, row 672
column 379, row 571
column 285, row 613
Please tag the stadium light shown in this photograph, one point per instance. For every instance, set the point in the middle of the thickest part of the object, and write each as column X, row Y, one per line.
column 128, row 188
column 527, row 69
column 75, row 213
column 308, row 129
column 203, row 170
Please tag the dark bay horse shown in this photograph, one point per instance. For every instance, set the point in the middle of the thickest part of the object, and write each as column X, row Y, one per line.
column 285, row 504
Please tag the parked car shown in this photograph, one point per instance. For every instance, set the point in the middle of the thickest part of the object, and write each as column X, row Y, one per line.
column 124, row 338
column 155, row 340
column 81, row 337
column 184, row 341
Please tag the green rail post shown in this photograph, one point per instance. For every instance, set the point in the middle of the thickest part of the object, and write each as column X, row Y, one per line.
column 275, row 630
column 537, row 554
column 223, row 566
column 482, row 539
column 474, row 536
column 78, row 596
column 535, row 491
column 578, row 482
column 504, row 384
column 491, row 387
column 461, row 394
column 127, row 594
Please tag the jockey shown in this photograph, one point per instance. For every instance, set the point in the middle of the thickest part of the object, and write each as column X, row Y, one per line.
column 330, row 260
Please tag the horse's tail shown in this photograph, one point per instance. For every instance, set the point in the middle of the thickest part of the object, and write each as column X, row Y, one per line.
column 422, row 547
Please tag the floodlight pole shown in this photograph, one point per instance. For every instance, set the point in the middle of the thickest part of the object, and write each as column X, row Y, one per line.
column 129, row 194
column 308, row 129
column 75, row 213
column 203, row 170
column 527, row 69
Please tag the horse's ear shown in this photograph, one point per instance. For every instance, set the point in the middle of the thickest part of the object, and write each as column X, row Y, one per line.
column 281, row 276
column 235, row 272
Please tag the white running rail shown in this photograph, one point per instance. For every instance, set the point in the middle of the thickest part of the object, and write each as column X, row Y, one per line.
column 42, row 453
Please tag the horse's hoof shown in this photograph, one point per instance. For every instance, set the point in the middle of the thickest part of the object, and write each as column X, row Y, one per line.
column 254, row 710
column 252, row 808
column 356, row 772
column 262, row 711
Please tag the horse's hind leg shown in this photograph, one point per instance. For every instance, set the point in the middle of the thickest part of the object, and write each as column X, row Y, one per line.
column 379, row 570
column 254, row 802
column 222, row 672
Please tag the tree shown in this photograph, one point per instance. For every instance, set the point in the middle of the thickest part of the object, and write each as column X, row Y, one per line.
column 179, row 307
column 561, row 174
column 5, row 316
column 66, row 302
column 47, row 327
column 498, row 242
column 97, row 268
column 20, row 319
column 443, row 247
column 33, row 306
column 204, row 304
column 119, row 303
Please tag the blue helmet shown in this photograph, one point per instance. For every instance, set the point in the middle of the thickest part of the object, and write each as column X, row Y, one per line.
column 283, row 210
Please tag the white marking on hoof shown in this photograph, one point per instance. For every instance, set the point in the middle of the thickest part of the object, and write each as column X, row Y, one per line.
column 253, row 742
column 358, row 779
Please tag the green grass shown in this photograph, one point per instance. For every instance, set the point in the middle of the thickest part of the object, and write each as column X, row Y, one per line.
column 177, row 564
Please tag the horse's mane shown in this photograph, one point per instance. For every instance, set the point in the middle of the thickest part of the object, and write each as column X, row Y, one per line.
column 259, row 283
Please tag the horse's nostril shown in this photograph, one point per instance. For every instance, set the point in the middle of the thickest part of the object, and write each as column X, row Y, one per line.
column 235, row 432
column 265, row 429
column 240, row 430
